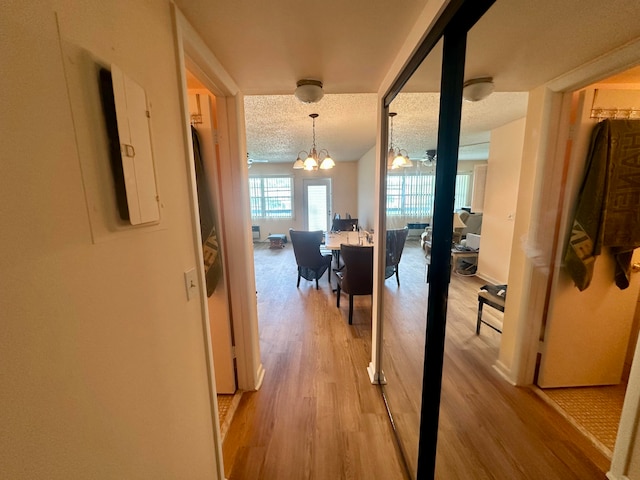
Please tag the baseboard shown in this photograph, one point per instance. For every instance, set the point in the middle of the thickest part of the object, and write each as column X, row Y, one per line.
column 378, row 379
column 504, row 372
column 488, row 279
column 612, row 476
column 260, row 376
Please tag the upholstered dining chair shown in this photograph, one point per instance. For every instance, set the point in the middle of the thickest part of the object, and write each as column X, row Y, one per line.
column 395, row 245
column 356, row 278
column 311, row 262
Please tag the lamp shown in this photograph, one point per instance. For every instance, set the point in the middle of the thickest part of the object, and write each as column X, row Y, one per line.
column 477, row 89
column 396, row 157
column 312, row 159
column 309, row 91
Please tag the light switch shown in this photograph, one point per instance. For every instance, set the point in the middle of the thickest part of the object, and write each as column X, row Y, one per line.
column 191, row 283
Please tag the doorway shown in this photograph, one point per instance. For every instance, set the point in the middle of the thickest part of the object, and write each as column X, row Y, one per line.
column 203, row 120
column 589, row 337
column 317, row 203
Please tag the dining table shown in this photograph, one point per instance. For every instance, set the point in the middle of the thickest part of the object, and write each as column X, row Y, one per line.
column 333, row 240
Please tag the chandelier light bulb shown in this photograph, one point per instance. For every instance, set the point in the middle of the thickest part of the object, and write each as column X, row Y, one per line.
column 327, row 163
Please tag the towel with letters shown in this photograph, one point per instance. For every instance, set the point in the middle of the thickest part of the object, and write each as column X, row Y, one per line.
column 608, row 211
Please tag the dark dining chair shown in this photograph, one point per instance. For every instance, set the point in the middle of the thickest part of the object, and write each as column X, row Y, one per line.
column 311, row 262
column 356, row 278
column 395, row 245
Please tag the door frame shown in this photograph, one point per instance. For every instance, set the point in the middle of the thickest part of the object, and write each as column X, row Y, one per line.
column 222, row 340
column 546, row 138
column 326, row 181
column 569, row 175
column 193, row 54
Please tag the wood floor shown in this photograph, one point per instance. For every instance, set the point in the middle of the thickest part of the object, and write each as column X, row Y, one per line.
column 318, row 417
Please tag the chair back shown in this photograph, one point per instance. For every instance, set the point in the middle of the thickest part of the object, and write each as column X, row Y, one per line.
column 306, row 247
column 358, row 269
column 395, row 245
column 344, row 224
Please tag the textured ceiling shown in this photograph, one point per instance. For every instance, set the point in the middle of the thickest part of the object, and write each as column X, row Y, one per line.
column 349, row 45
column 280, row 126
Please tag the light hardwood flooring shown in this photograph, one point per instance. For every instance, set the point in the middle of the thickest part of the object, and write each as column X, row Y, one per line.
column 318, row 417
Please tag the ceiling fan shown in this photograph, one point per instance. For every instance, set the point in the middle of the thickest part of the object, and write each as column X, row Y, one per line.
column 430, row 158
column 251, row 161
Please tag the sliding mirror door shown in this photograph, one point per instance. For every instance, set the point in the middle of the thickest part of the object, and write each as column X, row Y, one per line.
column 410, row 183
column 425, row 187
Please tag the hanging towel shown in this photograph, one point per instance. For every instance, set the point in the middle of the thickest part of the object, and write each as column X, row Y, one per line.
column 210, row 244
column 608, row 212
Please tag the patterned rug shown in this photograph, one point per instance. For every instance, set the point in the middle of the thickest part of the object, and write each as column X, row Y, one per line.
column 227, row 405
column 593, row 410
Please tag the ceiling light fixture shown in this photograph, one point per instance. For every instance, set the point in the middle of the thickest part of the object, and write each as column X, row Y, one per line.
column 397, row 157
column 312, row 159
column 477, row 89
column 309, row 91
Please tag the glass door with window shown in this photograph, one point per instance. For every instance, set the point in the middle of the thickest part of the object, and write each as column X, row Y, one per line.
column 317, row 204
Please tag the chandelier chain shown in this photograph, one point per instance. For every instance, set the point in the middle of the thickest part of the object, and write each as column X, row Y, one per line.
column 314, row 133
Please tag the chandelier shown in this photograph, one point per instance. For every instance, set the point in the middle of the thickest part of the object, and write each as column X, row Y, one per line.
column 312, row 159
column 397, row 157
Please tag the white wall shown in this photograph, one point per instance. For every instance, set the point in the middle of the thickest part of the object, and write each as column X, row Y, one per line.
column 102, row 357
column 500, row 201
column 344, row 187
column 366, row 189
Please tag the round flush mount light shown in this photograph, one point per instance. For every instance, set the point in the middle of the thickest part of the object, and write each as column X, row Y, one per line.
column 477, row 89
column 309, row 91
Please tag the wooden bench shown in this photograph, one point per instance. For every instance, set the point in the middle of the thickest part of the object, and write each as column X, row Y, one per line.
column 277, row 240
column 492, row 300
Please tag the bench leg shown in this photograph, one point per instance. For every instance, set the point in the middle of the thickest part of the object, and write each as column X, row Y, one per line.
column 480, row 304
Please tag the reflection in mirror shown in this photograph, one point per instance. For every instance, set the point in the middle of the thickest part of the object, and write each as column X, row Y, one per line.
column 497, row 122
column 410, row 188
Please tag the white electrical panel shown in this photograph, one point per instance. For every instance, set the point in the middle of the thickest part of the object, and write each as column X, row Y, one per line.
column 132, row 116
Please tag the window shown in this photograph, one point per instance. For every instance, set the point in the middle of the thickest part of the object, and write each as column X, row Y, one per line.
column 271, row 197
column 412, row 194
